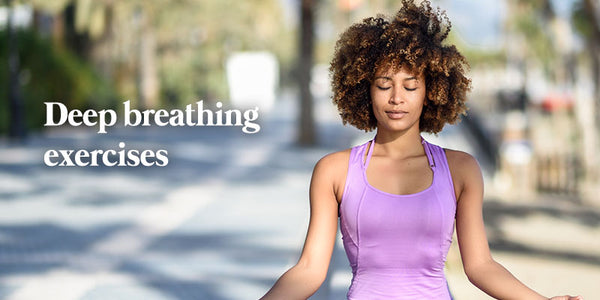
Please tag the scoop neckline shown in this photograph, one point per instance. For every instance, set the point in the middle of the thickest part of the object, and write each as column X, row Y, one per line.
column 366, row 180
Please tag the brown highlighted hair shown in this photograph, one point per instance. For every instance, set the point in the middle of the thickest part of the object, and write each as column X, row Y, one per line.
column 411, row 40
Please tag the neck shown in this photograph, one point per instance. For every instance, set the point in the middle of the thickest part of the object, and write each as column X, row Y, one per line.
column 399, row 144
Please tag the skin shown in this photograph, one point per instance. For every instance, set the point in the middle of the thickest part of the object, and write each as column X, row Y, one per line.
column 399, row 166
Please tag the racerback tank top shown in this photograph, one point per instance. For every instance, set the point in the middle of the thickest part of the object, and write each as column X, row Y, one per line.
column 397, row 244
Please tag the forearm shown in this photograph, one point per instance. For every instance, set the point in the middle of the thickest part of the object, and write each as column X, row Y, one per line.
column 498, row 282
column 299, row 282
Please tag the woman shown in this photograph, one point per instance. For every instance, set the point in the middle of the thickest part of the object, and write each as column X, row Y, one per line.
column 398, row 197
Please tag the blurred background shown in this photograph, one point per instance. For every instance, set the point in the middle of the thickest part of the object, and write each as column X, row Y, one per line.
column 228, row 215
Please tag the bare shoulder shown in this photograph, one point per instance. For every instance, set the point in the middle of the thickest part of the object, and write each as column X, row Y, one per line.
column 465, row 170
column 460, row 159
column 332, row 168
column 334, row 159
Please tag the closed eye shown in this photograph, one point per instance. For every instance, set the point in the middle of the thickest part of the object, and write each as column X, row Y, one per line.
column 383, row 88
column 409, row 89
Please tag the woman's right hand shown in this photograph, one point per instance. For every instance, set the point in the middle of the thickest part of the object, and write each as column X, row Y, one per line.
column 567, row 298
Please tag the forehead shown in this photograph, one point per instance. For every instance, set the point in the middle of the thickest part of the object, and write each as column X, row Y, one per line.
column 400, row 75
column 398, row 72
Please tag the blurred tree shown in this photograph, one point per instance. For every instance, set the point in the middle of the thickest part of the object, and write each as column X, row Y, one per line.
column 586, row 17
column 112, row 35
column 305, row 62
column 539, row 35
column 172, row 49
column 16, row 127
column 48, row 73
column 196, row 37
column 530, row 39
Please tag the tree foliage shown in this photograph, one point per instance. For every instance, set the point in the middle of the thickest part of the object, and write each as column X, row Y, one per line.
column 193, row 39
column 51, row 74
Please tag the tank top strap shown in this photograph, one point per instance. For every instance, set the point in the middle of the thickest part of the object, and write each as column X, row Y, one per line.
column 369, row 144
column 430, row 157
column 439, row 155
column 357, row 155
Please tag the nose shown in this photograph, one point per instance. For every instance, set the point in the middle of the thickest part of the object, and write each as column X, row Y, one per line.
column 396, row 97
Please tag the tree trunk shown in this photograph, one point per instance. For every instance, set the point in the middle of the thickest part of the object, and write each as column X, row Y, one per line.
column 79, row 42
column 147, row 73
column 592, row 172
column 306, row 125
column 17, row 123
column 102, row 46
column 593, row 11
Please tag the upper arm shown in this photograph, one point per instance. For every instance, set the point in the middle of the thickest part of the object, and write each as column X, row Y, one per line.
column 322, row 227
column 470, row 229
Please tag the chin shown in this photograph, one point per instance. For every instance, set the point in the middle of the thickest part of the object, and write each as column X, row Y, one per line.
column 398, row 126
column 395, row 128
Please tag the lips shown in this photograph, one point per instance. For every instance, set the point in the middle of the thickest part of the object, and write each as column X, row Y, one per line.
column 395, row 114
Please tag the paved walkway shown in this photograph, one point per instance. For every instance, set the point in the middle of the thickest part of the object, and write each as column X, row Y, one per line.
column 225, row 218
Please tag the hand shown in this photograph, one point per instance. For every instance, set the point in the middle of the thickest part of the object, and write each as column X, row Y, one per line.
column 567, row 298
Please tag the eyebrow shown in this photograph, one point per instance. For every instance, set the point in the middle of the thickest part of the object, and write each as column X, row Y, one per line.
column 390, row 78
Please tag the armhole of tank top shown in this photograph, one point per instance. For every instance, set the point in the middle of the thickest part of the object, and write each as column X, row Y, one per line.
column 364, row 155
column 450, row 179
column 350, row 158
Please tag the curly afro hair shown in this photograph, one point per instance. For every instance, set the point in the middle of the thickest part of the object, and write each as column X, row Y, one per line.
column 411, row 40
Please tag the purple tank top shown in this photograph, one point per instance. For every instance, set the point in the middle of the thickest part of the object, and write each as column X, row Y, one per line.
column 397, row 244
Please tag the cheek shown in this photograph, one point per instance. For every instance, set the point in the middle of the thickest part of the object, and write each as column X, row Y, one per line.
column 422, row 97
column 378, row 97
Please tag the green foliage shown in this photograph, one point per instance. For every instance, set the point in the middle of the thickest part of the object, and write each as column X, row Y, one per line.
column 581, row 20
column 193, row 40
column 196, row 37
column 477, row 56
column 532, row 21
column 539, row 41
column 48, row 73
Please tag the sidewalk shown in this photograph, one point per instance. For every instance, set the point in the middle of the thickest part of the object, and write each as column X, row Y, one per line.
column 552, row 248
column 225, row 218
column 219, row 222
